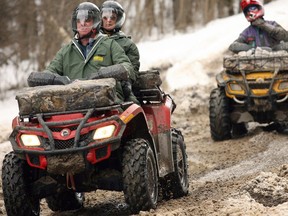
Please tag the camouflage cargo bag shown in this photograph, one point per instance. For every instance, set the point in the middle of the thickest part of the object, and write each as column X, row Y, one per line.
column 75, row 96
column 260, row 60
column 148, row 80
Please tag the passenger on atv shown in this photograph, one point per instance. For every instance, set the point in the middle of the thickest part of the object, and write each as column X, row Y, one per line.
column 260, row 33
column 113, row 17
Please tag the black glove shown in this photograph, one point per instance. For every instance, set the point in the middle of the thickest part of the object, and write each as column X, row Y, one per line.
column 258, row 22
column 237, row 47
column 117, row 72
column 272, row 30
column 281, row 46
column 40, row 79
column 127, row 88
column 46, row 78
column 61, row 80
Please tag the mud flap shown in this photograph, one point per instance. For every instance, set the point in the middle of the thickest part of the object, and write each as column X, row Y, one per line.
column 165, row 156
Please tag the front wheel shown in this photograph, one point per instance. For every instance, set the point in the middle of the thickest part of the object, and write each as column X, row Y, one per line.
column 220, row 123
column 140, row 175
column 15, row 180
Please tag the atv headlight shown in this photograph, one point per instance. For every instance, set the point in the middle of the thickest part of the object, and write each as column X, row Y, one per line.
column 283, row 85
column 104, row 132
column 30, row 140
column 235, row 87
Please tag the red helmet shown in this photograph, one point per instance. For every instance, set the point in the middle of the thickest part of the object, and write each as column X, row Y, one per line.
column 252, row 15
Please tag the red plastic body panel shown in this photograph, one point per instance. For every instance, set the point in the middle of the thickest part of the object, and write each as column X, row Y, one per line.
column 159, row 121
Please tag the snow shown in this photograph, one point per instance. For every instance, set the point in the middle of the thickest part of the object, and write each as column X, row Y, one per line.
column 185, row 52
column 9, row 109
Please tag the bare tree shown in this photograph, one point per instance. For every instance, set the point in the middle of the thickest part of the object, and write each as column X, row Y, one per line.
column 4, row 23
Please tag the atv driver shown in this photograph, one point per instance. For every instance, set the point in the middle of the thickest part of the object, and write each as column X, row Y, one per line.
column 250, row 88
column 260, row 33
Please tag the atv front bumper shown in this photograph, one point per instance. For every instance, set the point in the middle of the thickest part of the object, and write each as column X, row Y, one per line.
column 53, row 143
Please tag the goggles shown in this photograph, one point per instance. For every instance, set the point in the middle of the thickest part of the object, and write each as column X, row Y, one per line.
column 252, row 8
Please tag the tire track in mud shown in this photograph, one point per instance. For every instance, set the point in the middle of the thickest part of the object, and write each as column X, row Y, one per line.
column 274, row 156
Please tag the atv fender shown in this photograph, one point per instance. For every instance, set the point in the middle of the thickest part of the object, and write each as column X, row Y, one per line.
column 159, row 121
column 220, row 79
column 137, row 126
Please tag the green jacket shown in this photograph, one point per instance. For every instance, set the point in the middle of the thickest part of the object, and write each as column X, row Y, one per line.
column 129, row 47
column 69, row 61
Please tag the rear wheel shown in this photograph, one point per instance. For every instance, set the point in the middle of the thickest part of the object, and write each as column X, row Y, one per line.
column 220, row 123
column 180, row 176
column 140, row 176
column 15, row 178
column 65, row 200
column 176, row 184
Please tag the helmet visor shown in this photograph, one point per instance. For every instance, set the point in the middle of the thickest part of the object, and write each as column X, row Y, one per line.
column 83, row 16
column 252, row 8
column 111, row 19
column 109, row 14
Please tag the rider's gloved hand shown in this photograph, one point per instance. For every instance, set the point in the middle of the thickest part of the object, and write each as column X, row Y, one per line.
column 61, row 80
column 46, row 78
column 258, row 22
column 281, row 46
column 127, row 88
column 117, row 72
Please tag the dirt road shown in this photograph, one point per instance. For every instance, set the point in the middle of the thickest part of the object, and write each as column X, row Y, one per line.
column 241, row 176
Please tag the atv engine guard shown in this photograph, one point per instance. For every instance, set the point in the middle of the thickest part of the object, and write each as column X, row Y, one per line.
column 262, row 105
column 61, row 164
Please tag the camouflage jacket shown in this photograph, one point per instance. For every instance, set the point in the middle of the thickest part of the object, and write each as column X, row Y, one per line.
column 70, row 61
column 129, row 47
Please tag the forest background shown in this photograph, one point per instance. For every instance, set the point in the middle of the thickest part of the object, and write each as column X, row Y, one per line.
column 32, row 31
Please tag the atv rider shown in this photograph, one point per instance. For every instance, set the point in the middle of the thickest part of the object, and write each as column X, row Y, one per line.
column 113, row 18
column 90, row 50
column 260, row 33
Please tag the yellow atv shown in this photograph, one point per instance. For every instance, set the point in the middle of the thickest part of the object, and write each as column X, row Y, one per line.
column 253, row 87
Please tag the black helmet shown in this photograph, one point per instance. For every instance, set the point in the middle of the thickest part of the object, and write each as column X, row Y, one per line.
column 110, row 7
column 85, row 11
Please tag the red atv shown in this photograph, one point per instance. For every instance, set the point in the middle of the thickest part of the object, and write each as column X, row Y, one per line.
column 72, row 139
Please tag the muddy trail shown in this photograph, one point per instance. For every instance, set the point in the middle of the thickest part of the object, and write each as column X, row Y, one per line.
column 241, row 176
